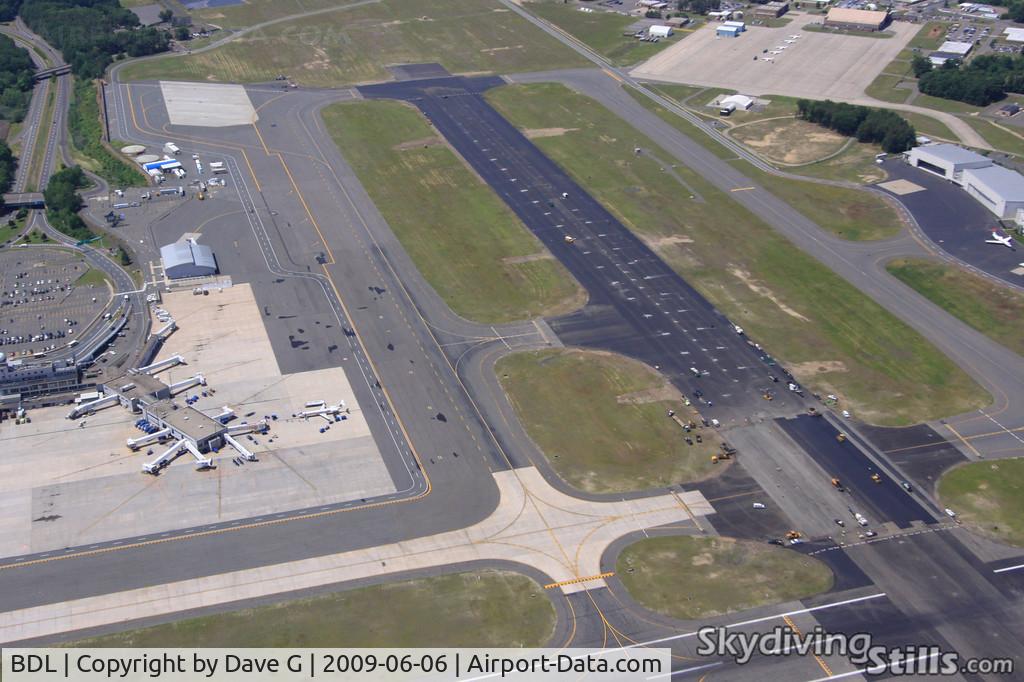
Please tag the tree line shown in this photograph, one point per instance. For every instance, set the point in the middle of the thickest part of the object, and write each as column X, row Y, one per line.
column 985, row 79
column 63, row 202
column 90, row 33
column 8, row 165
column 16, row 70
column 893, row 132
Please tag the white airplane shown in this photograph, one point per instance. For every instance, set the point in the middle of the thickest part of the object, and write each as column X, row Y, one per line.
column 768, row 59
column 781, row 47
column 795, row 36
column 772, row 52
column 789, row 41
column 1001, row 240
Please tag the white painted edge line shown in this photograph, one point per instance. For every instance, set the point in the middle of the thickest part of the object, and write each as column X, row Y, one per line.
column 873, row 669
column 1008, row 568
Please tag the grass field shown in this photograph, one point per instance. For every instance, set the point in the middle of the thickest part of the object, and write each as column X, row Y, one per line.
column 884, row 88
column 789, row 141
column 91, row 277
column 993, row 310
column 929, row 37
column 948, row 105
column 926, row 125
column 471, row 248
column 831, row 335
column 988, row 496
column 848, row 213
column 478, row 609
column 690, row 578
column 601, row 31
column 1000, row 137
column 602, row 420
column 354, row 45
column 856, row 163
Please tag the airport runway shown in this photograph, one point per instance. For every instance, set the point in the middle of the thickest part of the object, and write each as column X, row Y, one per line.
column 404, row 329
column 638, row 305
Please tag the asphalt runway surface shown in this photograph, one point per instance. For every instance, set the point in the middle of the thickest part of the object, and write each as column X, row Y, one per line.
column 638, row 305
column 956, row 222
column 918, row 451
column 879, row 502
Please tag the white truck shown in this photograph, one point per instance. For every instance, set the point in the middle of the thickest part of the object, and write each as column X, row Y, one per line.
column 171, row 148
column 217, row 167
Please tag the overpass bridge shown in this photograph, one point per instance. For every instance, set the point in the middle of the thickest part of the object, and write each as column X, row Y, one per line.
column 58, row 70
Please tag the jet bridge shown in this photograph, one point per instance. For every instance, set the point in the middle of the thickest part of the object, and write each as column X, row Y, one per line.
column 92, row 406
column 246, row 427
column 242, row 450
column 163, row 460
column 165, row 330
column 136, row 443
column 202, row 462
column 160, row 366
column 185, row 384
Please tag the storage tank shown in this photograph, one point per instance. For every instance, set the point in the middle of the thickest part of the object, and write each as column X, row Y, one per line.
column 147, row 158
column 133, row 149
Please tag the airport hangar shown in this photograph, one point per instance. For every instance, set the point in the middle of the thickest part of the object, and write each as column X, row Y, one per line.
column 998, row 189
column 188, row 258
column 848, row 19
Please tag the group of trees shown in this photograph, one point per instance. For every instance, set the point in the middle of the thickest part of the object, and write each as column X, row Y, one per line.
column 91, row 33
column 893, row 132
column 985, row 79
column 8, row 164
column 63, row 202
column 698, row 6
column 16, row 69
column 87, row 136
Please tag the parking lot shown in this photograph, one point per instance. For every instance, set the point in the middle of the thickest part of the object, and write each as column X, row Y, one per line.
column 47, row 295
column 816, row 65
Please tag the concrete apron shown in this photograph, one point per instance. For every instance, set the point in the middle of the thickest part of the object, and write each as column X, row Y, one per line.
column 534, row 524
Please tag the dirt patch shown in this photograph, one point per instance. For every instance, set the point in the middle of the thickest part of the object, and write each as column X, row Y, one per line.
column 492, row 50
column 533, row 133
column 658, row 394
column 671, row 240
column 789, row 141
column 818, row 367
column 764, row 291
column 529, row 258
column 418, row 144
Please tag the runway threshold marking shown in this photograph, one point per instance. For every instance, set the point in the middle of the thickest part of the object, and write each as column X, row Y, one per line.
column 577, row 581
column 794, row 628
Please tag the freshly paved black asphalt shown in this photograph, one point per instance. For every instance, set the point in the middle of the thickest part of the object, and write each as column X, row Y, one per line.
column 638, row 305
column 879, row 502
column 956, row 222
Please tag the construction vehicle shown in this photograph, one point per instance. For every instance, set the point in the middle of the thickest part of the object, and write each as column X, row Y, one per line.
column 201, row 196
column 841, row 437
column 569, row 239
column 793, row 534
column 876, row 478
column 838, row 485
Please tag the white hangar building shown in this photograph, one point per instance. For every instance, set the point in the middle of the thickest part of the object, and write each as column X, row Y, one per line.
column 188, row 258
column 947, row 160
column 998, row 189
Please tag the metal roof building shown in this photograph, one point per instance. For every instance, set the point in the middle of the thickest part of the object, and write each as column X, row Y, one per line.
column 946, row 160
column 188, row 258
column 998, row 189
column 857, row 19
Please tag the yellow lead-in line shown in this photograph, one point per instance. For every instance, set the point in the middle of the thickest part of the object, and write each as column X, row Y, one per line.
column 576, row 581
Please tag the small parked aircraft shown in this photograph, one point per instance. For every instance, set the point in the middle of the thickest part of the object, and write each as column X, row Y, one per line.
column 1002, row 240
